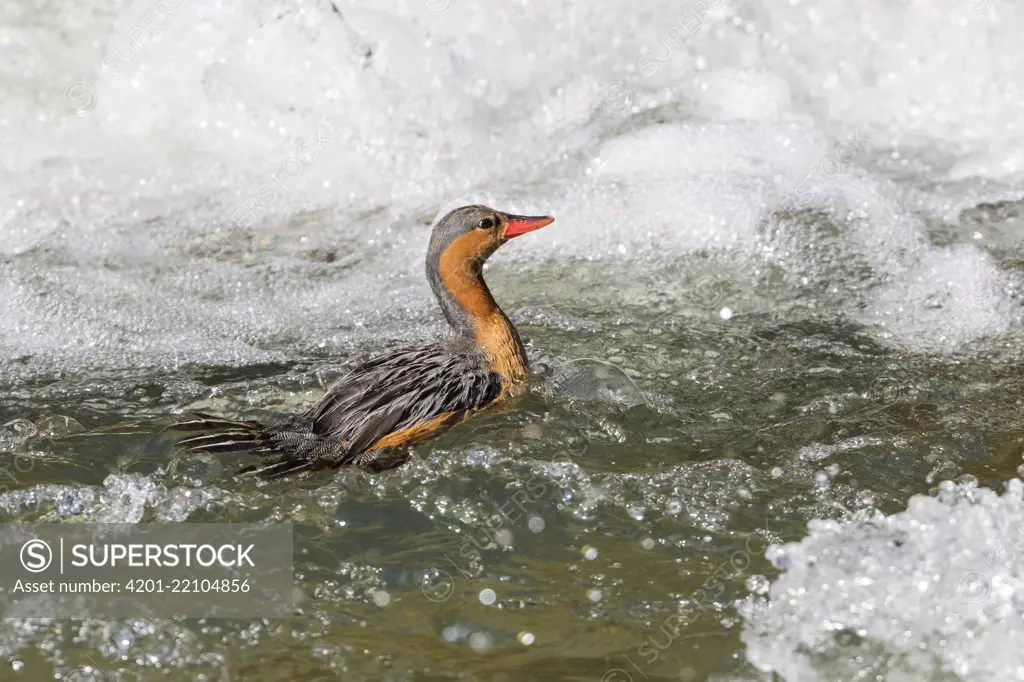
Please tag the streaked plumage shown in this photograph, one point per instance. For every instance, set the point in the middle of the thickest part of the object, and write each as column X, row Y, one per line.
column 373, row 414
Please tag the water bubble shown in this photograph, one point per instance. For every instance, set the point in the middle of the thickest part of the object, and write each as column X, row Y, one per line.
column 124, row 639
column 725, row 313
column 15, row 434
column 480, row 642
column 503, row 537
column 58, row 426
column 592, row 378
column 590, row 553
column 967, row 481
column 594, row 595
column 453, row 633
column 778, row 557
column 526, row 638
column 381, row 598
column 758, row 584
column 488, row 596
column 535, row 524
column 647, row 543
column 86, row 673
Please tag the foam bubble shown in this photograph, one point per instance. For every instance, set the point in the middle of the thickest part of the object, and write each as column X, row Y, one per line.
column 917, row 594
column 123, row 169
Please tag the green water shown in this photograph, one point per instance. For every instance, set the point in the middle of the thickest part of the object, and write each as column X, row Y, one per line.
column 602, row 527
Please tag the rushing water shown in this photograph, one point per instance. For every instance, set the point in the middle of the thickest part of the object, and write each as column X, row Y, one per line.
column 780, row 304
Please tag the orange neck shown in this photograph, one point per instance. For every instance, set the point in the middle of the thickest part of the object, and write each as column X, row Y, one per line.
column 463, row 284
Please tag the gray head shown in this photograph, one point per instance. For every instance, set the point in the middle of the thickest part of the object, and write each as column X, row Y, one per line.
column 459, row 245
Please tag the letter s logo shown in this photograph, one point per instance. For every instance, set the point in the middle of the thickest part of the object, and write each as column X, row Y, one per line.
column 36, row 556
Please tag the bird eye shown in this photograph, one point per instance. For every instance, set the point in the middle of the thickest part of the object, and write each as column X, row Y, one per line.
column 486, row 223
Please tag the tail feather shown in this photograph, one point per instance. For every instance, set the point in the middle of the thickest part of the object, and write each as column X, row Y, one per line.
column 208, row 422
column 279, row 469
column 221, row 435
column 216, row 435
column 221, row 442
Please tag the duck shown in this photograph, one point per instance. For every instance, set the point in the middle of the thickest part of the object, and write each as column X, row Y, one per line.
column 373, row 416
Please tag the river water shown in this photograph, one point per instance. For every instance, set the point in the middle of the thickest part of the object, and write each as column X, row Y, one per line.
column 776, row 419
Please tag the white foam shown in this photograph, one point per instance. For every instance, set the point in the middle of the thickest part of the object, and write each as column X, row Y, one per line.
column 922, row 594
column 651, row 133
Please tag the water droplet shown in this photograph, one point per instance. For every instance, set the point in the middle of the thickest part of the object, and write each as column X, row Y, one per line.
column 758, row 584
column 381, row 598
column 124, row 639
column 453, row 633
column 725, row 313
column 526, row 638
column 589, row 552
column 480, row 642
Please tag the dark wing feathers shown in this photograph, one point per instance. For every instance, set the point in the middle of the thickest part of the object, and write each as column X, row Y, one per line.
column 424, row 387
column 400, row 390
